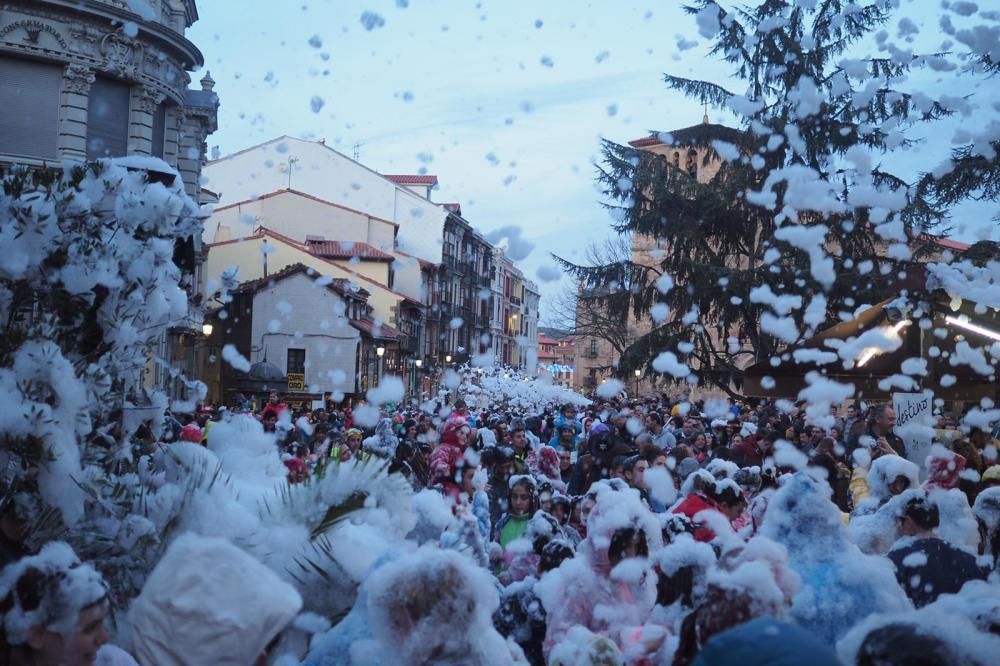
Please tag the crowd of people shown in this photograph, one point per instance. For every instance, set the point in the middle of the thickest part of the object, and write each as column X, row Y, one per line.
column 644, row 531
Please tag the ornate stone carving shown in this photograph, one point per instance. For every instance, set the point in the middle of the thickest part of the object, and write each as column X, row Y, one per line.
column 85, row 41
column 121, row 55
column 149, row 99
column 33, row 30
column 78, row 79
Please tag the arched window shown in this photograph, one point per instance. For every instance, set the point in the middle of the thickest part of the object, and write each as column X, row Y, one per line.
column 677, row 159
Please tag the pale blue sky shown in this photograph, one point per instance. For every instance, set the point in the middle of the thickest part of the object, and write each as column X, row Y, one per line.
column 504, row 100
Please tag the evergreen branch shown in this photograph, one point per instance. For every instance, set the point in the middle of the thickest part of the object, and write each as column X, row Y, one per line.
column 704, row 91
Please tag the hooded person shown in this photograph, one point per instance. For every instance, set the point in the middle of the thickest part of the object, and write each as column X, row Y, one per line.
column 543, row 462
column 840, row 585
column 609, row 587
column 888, row 476
column 384, row 442
column 209, row 602
column 52, row 611
column 444, row 459
column 434, row 607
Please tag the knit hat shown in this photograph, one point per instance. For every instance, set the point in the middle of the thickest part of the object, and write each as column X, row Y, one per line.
column 191, row 433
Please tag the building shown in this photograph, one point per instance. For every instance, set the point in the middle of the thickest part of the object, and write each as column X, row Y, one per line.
column 319, row 333
column 429, row 273
column 597, row 354
column 460, row 305
column 556, row 356
column 359, row 266
column 86, row 80
column 528, row 337
column 318, row 174
column 83, row 80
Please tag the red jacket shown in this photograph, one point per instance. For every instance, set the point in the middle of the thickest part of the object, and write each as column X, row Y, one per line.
column 694, row 504
column 276, row 409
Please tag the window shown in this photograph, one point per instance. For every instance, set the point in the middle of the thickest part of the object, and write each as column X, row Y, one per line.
column 392, row 277
column 296, row 362
column 159, row 130
column 593, row 346
column 29, row 122
column 107, row 119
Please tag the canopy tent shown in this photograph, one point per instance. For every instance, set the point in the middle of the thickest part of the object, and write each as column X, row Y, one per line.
column 931, row 335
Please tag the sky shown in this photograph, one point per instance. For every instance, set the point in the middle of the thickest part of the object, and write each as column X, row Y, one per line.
column 506, row 101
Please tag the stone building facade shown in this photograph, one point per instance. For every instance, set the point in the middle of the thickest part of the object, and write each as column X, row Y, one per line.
column 87, row 79
column 83, row 79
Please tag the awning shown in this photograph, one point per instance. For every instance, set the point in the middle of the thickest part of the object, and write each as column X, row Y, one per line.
column 942, row 335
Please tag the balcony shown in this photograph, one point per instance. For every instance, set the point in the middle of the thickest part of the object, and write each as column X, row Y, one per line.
column 515, row 300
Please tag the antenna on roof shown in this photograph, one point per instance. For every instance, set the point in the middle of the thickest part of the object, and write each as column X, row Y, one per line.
column 357, row 151
column 704, row 119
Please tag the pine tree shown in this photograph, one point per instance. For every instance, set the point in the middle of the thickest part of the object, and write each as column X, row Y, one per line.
column 800, row 205
column 974, row 172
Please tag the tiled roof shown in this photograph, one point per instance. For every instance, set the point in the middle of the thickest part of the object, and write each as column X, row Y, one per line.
column 701, row 134
column 948, row 243
column 368, row 327
column 424, row 264
column 346, row 250
column 338, row 285
column 262, row 232
column 411, row 179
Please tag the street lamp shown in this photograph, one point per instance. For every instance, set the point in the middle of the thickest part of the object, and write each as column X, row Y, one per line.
column 380, row 352
column 418, row 363
column 206, row 330
column 638, row 373
column 447, row 359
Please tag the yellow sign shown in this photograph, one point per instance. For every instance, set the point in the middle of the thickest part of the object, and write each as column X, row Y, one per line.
column 296, row 381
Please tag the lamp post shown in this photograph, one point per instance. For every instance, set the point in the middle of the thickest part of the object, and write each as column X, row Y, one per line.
column 206, row 330
column 417, row 383
column 380, row 352
column 638, row 373
column 447, row 358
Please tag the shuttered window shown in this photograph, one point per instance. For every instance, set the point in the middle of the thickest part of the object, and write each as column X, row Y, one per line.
column 29, row 108
column 107, row 119
column 296, row 361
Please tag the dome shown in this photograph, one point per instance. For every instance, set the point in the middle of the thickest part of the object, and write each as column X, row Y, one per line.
column 264, row 371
